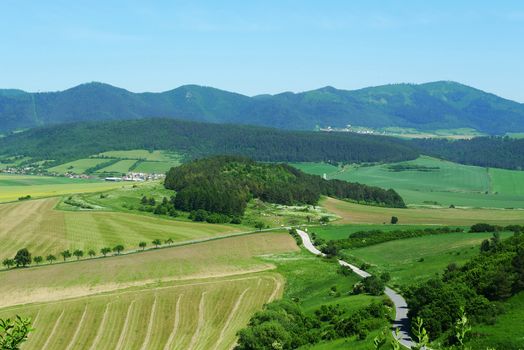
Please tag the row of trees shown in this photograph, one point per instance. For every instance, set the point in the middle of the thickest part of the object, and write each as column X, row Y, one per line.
column 24, row 258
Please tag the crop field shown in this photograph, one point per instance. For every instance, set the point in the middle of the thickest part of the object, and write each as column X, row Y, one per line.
column 416, row 259
column 141, row 154
column 331, row 232
column 14, row 186
column 77, row 167
column 155, row 167
column 432, row 182
column 37, row 226
column 351, row 213
column 198, row 314
column 120, row 167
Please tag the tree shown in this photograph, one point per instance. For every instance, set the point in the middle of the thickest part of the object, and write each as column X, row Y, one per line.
column 50, row 258
column 157, row 242
column 66, row 254
column 462, row 328
column 14, row 332
column 22, row 257
column 394, row 220
column 78, row 253
column 259, row 225
column 118, row 249
column 144, row 200
column 142, row 245
column 421, row 335
column 91, row 253
column 104, row 251
column 324, row 220
column 8, row 263
column 169, row 241
column 373, row 285
column 38, row 259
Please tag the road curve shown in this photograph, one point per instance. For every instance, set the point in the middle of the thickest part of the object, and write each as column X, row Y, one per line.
column 401, row 307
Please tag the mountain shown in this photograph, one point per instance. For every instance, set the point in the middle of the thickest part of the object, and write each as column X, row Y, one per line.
column 66, row 142
column 430, row 106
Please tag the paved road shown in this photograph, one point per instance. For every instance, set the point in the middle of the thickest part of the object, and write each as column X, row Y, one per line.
column 401, row 307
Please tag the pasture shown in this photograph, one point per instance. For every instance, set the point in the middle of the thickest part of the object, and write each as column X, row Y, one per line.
column 14, row 186
column 198, row 314
column 36, row 225
column 331, row 232
column 428, row 181
column 120, row 167
column 351, row 213
column 416, row 259
column 77, row 166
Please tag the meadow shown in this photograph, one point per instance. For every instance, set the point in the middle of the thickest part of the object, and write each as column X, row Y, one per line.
column 14, row 186
column 191, row 297
column 351, row 213
column 414, row 260
column 77, row 166
column 429, row 181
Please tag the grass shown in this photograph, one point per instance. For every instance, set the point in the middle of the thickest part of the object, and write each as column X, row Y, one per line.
column 155, row 167
column 37, row 226
column 432, row 182
column 14, row 186
column 417, row 259
column 141, row 154
column 120, row 167
column 77, row 167
column 506, row 333
column 351, row 213
column 207, row 314
column 332, row 232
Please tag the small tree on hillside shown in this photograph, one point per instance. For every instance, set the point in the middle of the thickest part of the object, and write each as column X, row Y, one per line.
column 169, row 241
column 38, row 259
column 118, row 249
column 66, row 254
column 104, row 251
column 142, row 245
column 394, row 220
column 23, row 257
column 324, row 220
column 91, row 253
column 50, row 258
column 78, row 253
column 260, row 225
column 156, row 242
column 8, row 263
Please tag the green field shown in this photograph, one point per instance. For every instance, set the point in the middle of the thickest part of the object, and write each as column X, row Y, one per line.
column 331, row 232
column 155, row 167
column 432, row 182
column 141, row 154
column 77, row 167
column 14, row 186
column 416, row 259
column 191, row 297
column 120, row 167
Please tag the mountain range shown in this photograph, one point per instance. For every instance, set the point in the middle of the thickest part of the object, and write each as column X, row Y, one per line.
column 429, row 106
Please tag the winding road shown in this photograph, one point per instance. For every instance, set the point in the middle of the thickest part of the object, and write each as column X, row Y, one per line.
column 401, row 307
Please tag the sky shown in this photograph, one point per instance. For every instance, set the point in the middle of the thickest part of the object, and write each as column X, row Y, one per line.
column 255, row 47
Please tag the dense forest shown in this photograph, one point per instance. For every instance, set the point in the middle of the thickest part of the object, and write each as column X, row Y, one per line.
column 496, row 152
column 430, row 106
column 224, row 184
column 493, row 276
column 193, row 139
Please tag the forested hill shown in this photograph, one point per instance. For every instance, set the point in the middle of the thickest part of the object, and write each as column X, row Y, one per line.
column 224, row 185
column 194, row 139
column 496, row 152
column 438, row 105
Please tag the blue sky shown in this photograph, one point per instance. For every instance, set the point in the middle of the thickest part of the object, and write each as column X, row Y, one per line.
column 255, row 47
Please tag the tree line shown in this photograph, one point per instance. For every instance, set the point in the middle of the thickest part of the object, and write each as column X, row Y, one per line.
column 225, row 184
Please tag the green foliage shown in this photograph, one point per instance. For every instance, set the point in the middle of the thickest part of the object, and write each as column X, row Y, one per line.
column 66, row 254
column 104, row 251
column 38, row 259
column 420, row 334
column 119, row 248
column 50, row 258
column 8, row 263
column 22, row 258
column 78, row 253
column 14, row 332
column 394, row 220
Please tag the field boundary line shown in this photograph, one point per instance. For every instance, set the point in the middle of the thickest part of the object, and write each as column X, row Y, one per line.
column 278, row 286
column 123, row 334
column 101, row 328
column 53, row 331
column 78, row 329
column 147, row 338
column 171, row 339
column 230, row 318
column 200, row 323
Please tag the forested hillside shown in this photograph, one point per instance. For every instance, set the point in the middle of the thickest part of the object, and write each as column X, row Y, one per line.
column 497, row 152
column 431, row 106
column 195, row 139
column 224, row 185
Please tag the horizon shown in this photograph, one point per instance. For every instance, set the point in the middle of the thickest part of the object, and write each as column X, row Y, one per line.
column 262, row 48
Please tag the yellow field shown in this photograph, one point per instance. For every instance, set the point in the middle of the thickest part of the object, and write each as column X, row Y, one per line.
column 14, row 186
column 37, row 226
column 201, row 314
column 364, row 214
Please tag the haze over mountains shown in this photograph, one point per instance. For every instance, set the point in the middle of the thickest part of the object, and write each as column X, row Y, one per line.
column 430, row 106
